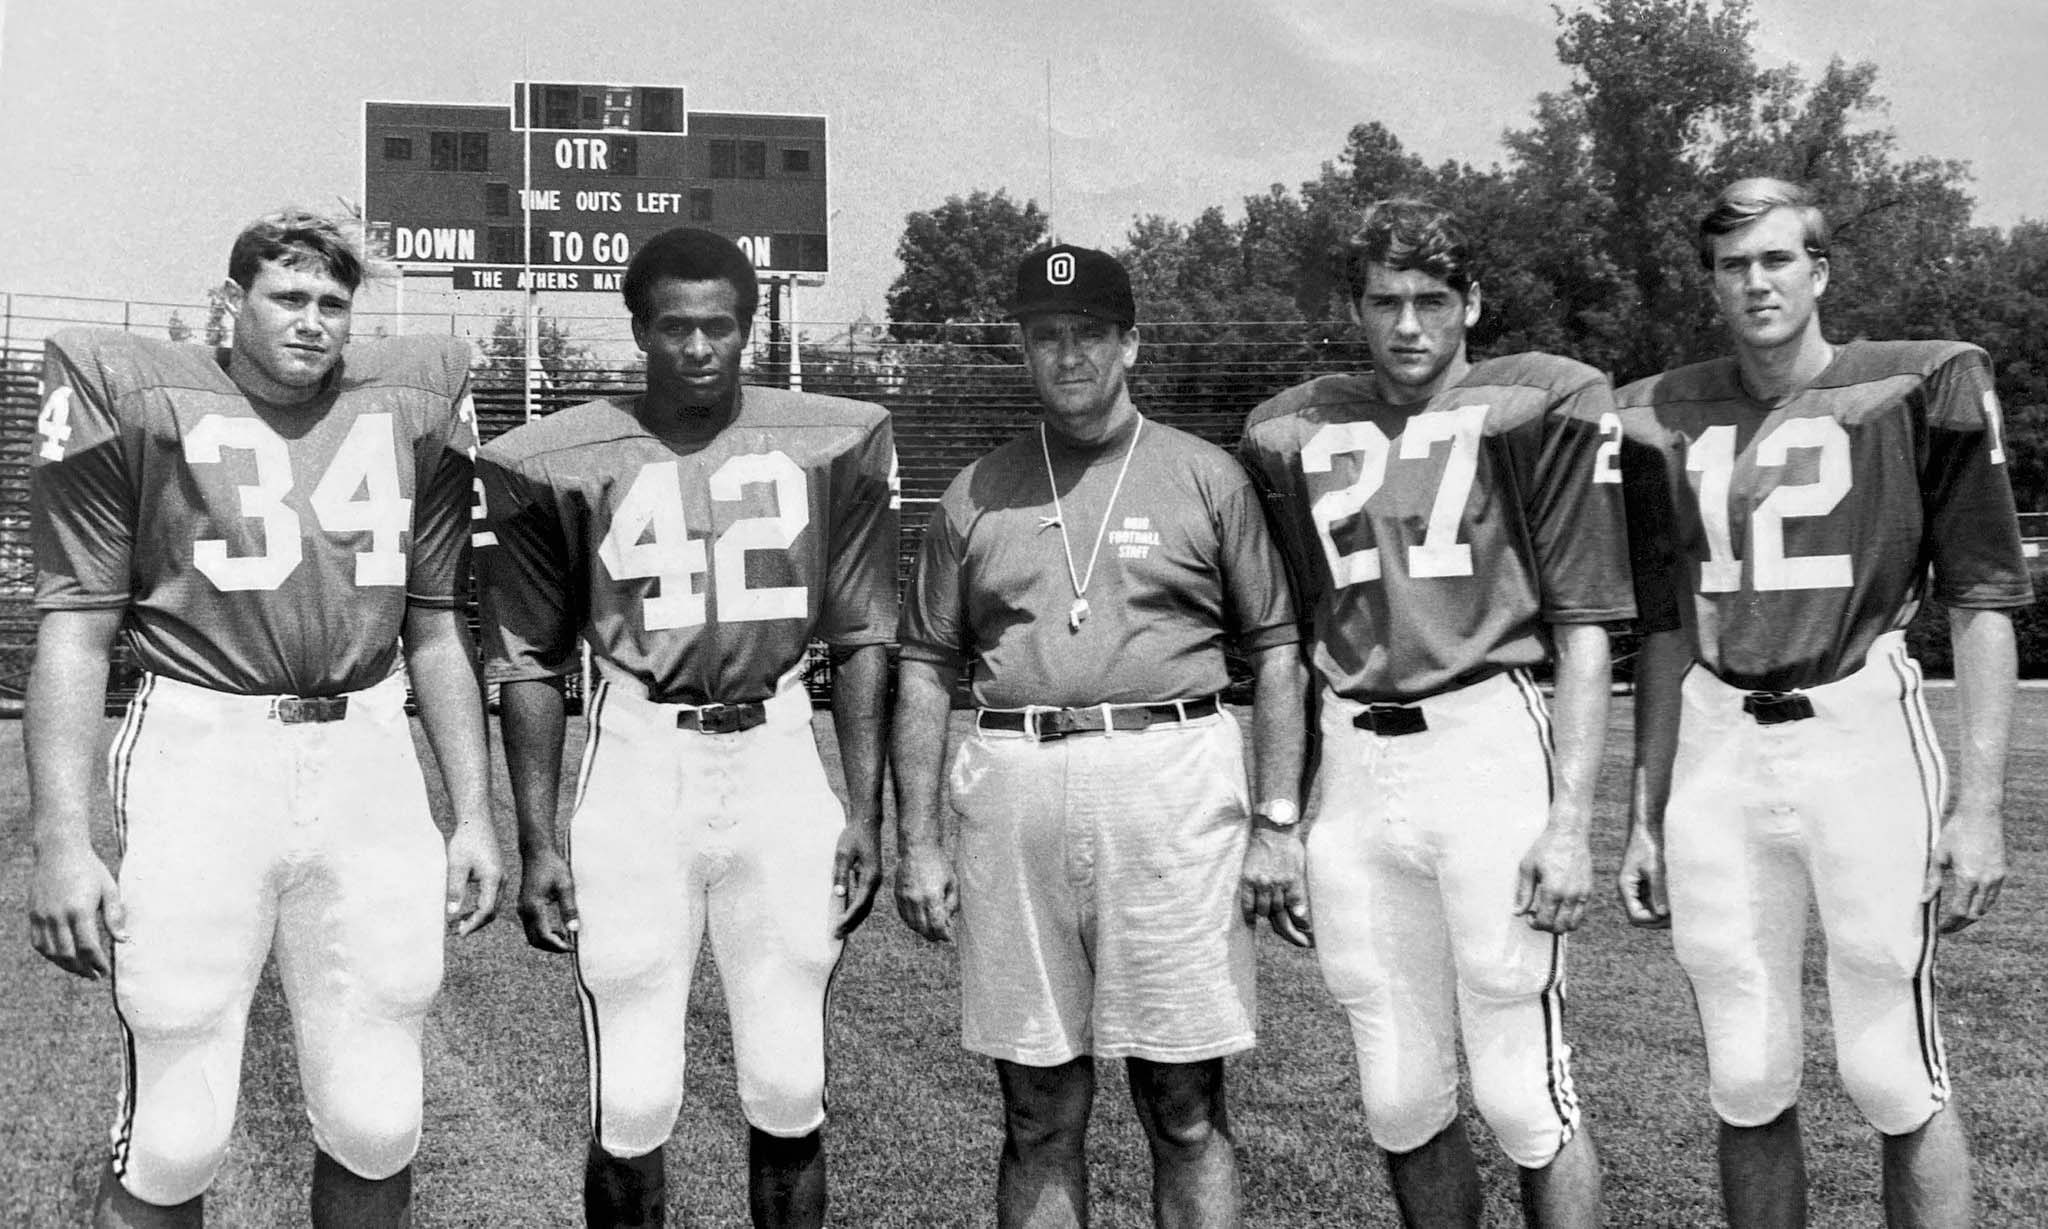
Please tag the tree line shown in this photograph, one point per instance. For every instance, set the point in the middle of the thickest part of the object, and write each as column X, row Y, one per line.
column 1582, row 233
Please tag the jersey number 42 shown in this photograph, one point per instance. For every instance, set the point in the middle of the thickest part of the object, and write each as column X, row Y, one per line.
column 650, row 537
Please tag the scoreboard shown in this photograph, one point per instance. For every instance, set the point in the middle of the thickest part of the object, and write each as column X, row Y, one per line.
column 556, row 191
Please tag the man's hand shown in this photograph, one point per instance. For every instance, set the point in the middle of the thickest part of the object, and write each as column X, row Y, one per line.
column 473, row 860
column 1971, row 853
column 1555, row 879
column 1641, row 881
column 69, row 895
column 1274, row 885
column 926, row 895
column 547, row 902
column 856, row 875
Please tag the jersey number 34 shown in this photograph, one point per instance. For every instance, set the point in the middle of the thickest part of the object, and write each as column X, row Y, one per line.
column 359, row 493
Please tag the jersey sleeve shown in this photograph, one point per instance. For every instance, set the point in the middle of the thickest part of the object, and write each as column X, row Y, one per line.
column 1267, row 471
column 1972, row 529
column 82, row 504
column 1259, row 597
column 933, row 627
column 443, row 508
column 1576, row 511
column 523, row 576
column 860, row 584
column 1656, row 565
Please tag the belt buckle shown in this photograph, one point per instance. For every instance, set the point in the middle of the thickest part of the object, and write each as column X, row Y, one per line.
column 720, row 719
column 305, row 710
column 1047, row 725
column 1391, row 720
column 1777, row 707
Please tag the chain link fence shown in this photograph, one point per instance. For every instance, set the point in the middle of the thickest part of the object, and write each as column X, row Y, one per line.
column 955, row 391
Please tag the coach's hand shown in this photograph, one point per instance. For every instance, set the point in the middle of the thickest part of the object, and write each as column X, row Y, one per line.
column 70, row 894
column 1971, row 854
column 1555, row 878
column 926, row 895
column 1274, row 885
column 473, row 861
column 856, row 875
column 1641, row 881
column 547, row 902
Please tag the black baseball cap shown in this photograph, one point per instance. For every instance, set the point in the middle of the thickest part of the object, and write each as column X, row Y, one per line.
column 1074, row 279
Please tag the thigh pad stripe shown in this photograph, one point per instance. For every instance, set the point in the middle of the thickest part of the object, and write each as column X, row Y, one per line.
column 1539, row 716
column 1934, row 788
column 593, row 719
column 1563, row 1098
column 125, row 1136
column 124, row 756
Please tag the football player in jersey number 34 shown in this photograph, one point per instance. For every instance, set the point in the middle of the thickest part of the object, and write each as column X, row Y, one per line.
column 267, row 526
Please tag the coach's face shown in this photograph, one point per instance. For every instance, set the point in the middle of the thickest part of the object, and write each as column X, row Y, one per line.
column 693, row 336
column 1414, row 323
column 1080, row 367
column 290, row 327
column 1766, row 285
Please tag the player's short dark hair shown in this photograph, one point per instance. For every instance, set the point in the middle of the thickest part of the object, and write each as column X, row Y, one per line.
column 1746, row 200
column 1407, row 235
column 292, row 237
column 688, row 254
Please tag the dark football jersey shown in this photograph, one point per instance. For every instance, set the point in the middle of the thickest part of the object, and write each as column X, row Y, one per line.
column 1433, row 544
column 1185, row 565
column 702, row 565
column 258, row 549
column 1800, row 533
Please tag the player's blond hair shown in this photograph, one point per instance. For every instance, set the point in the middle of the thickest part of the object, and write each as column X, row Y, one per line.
column 1746, row 200
column 292, row 236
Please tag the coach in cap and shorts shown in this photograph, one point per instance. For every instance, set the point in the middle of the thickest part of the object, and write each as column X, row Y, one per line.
column 1108, row 858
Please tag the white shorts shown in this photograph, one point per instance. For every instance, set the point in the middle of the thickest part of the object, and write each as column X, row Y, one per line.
column 242, row 835
column 1842, row 808
column 677, row 832
column 1098, row 894
column 1412, row 867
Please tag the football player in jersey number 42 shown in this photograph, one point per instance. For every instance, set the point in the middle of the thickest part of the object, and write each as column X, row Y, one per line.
column 267, row 526
column 1784, row 751
column 697, row 537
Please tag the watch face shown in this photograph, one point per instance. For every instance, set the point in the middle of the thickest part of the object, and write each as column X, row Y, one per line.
column 1280, row 813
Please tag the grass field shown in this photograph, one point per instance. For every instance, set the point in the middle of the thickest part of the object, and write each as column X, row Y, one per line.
column 913, row 1134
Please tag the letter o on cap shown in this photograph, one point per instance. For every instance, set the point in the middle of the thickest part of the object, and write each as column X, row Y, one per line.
column 1060, row 269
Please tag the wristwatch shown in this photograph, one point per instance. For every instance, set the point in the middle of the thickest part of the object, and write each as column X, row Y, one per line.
column 1277, row 813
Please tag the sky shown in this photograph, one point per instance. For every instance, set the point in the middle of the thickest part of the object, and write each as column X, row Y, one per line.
column 136, row 136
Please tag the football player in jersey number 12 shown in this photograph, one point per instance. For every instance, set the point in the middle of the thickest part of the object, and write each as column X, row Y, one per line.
column 1784, row 751
column 267, row 526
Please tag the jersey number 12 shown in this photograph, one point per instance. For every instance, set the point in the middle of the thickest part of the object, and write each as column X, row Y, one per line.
column 1711, row 459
